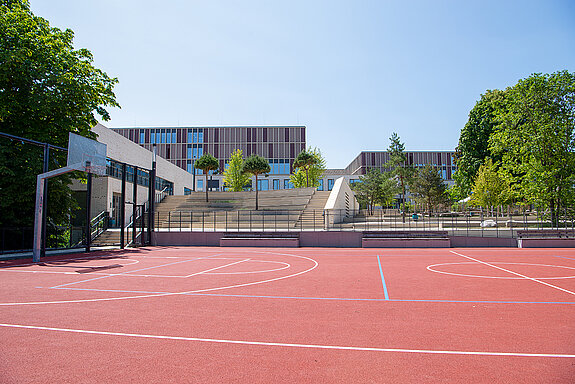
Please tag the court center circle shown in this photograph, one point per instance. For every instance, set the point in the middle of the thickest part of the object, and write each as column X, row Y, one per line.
column 434, row 268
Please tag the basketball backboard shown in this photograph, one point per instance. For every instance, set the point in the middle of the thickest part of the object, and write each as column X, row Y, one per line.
column 82, row 150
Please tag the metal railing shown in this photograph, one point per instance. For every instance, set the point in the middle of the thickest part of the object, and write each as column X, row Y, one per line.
column 98, row 225
column 455, row 223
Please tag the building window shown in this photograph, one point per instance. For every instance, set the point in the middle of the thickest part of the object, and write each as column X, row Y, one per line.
column 187, row 191
column 276, row 184
column 152, row 136
column 200, row 185
column 329, row 184
column 195, row 135
column 142, row 137
column 263, row 185
column 287, row 184
column 320, row 187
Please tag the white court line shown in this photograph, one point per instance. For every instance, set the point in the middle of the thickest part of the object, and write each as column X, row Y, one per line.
column 515, row 273
column 221, row 266
column 125, row 273
column 293, row 345
column 176, row 293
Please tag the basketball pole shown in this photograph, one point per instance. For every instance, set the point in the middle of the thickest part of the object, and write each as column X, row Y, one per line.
column 88, row 207
column 40, row 202
column 135, row 203
column 123, row 208
column 45, row 204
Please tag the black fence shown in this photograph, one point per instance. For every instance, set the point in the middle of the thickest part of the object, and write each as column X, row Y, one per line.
column 455, row 223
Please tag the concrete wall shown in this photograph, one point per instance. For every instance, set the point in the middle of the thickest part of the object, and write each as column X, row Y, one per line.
column 341, row 199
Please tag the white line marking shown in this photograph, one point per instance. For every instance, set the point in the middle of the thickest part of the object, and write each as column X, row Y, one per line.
column 294, row 345
column 126, row 273
column 430, row 268
column 221, row 266
column 515, row 273
column 285, row 266
column 178, row 293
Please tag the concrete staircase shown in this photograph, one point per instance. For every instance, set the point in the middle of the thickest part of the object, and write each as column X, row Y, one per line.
column 111, row 237
column 277, row 209
column 312, row 215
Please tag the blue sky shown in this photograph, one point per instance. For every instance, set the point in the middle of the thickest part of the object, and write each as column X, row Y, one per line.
column 353, row 72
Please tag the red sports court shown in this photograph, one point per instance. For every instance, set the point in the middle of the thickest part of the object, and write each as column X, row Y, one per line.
column 300, row 315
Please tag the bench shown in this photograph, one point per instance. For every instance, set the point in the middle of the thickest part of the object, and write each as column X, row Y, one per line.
column 405, row 239
column 260, row 239
column 546, row 238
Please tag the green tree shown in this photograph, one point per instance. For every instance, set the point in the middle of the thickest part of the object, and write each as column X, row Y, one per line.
column 473, row 147
column 308, row 176
column 399, row 168
column 47, row 89
column 429, row 188
column 535, row 139
column 256, row 165
column 490, row 188
column 305, row 160
column 375, row 187
column 207, row 163
column 235, row 179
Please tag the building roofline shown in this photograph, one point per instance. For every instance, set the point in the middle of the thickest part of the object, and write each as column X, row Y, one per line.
column 210, row 126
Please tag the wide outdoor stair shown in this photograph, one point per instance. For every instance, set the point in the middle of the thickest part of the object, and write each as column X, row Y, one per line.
column 226, row 208
column 111, row 237
column 312, row 215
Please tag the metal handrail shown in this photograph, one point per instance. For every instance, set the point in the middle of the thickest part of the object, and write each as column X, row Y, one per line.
column 98, row 225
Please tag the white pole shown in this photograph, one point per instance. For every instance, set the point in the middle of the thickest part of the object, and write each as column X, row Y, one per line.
column 40, row 181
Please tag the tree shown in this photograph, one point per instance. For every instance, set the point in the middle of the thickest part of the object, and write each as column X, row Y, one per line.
column 308, row 176
column 375, row 187
column 235, row 178
column 402, row 171
column 256, row 165
column 490, row 188
column 47, row 89
column 305, row 160
column 207, row 163
column 429, row 188
column 535, row 139
column 473, row 147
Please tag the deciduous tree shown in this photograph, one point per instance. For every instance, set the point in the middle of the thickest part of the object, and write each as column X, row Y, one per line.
column 473, row 147
column 375, row 187
column 490, row 187
column 47, row 89
column 256, row 165
column 429, row 188
column 535, row 139
column 235, row 179
column 308, row 175
column 207, row 163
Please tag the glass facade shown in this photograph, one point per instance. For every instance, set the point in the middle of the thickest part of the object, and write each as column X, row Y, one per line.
column 263, row 184
column 330, row 184
column 114, row 169
column 183, row 145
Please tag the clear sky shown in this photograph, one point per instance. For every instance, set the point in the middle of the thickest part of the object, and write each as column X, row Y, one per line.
column 352, row 71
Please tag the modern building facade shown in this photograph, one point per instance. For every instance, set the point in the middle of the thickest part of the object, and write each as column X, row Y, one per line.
column 106, row 191
column 279, row 144
column 441, row 160
column 182, row 146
